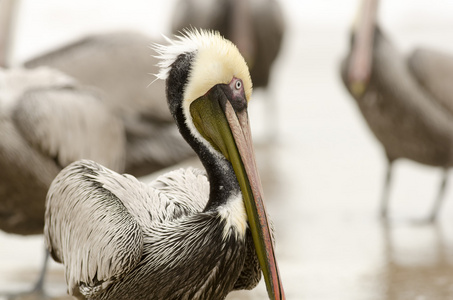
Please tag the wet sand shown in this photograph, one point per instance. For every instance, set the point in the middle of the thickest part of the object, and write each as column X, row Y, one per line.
column 323, row 175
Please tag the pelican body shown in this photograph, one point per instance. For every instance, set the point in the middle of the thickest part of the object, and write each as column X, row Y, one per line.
column 47, row 121
column 190, row 234
column 408, row 120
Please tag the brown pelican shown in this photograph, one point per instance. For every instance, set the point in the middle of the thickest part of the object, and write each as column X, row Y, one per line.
column 47, row 121
column 408, row 120
column 118, row 63
column 189, row 234
column 255, row 26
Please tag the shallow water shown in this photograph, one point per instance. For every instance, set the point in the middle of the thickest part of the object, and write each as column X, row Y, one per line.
column 322, row 177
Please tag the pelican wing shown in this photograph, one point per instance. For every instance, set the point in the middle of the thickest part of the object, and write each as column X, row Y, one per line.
column 96, row 218
column 182, row 192
column 88, row 226
column 434, row 71
column 68, row 124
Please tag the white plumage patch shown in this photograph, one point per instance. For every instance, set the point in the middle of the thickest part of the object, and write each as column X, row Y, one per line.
column 235, row 217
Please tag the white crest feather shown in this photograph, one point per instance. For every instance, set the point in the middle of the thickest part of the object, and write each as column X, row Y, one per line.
column 217, row 60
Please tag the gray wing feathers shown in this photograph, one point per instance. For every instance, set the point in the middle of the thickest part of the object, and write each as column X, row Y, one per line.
column 89, row 228
column 169, row 197
column 187, row 191
column 70, row 124
column 96, row 218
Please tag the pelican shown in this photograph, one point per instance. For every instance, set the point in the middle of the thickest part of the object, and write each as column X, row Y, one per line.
column 190, row 234
column 47, row 121
column 408, row 120
column 256, row 27
column 153, row 141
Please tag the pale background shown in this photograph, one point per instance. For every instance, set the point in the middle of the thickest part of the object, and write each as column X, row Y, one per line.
column 322, row 178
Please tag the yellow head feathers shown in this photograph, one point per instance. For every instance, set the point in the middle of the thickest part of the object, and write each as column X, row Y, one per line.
column 217, row 60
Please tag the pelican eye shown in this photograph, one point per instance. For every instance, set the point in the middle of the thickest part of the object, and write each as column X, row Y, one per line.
column 238, row 84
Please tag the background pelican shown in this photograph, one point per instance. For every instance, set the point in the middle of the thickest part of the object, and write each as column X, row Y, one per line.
column 255, row 27
column 119, row 63
column 47, row 121
column 186, row 235
column 408, row 120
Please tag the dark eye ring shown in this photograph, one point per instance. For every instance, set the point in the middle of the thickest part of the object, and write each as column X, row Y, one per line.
column 238, row 84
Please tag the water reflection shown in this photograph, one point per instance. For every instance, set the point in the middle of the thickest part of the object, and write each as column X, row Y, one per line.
column 416, row 263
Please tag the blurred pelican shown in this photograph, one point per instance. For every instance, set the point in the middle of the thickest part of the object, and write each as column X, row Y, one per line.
column 48, row 121
column 410, row 121
column 119, row 63
column 189, row 234
column 255, row 26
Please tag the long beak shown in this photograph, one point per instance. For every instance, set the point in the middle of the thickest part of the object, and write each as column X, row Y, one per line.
column 229, row 132
column 253, row 200
column 362, row 50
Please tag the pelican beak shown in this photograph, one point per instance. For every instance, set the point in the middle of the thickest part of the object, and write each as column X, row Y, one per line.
column 221, row 117
column 359, row 71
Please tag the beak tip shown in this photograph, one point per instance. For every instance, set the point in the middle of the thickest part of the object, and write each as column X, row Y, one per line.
column 358, row 88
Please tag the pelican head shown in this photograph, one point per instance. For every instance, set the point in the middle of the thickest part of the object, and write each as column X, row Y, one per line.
column 208, row 90
column 360, row 63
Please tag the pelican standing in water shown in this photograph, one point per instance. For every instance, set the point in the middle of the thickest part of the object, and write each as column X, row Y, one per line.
column 189, row 234
column 410, row 121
